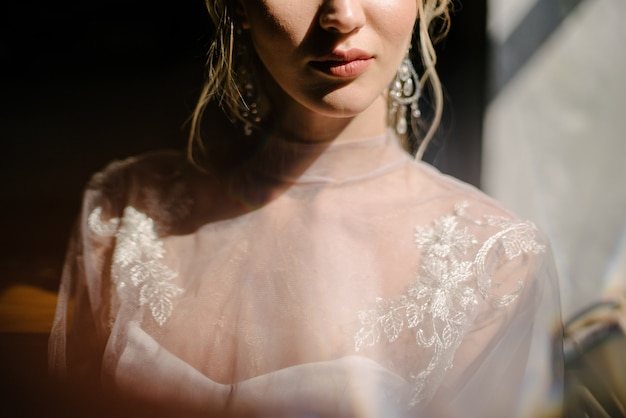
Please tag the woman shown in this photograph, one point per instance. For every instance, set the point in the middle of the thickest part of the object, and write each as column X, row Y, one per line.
column 304, row 263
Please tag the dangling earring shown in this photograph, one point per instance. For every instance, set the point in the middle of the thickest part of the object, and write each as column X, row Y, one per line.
column 248, row 105
column 248, row 101
column 405, row 90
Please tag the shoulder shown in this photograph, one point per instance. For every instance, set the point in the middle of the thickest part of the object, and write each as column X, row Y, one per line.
column 153, row 166
column 476, row 267
column 156, row 184
column 503, row 253
column 446, row 188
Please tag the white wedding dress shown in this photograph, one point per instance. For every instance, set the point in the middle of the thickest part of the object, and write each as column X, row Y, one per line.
column 363, row 284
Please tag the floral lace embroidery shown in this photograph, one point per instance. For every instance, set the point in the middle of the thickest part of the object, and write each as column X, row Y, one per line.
column 137, row 257
column 442, row 301
column 517, row 238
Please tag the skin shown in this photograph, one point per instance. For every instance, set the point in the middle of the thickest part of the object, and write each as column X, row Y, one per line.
column 288, row 36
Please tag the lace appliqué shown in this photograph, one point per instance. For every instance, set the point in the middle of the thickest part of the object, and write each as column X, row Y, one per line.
column 137, row 258
column 440, row 304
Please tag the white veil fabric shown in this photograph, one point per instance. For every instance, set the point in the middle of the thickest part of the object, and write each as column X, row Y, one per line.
column 363, row 284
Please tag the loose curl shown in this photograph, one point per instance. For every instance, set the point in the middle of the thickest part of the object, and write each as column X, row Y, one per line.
column 221, row 85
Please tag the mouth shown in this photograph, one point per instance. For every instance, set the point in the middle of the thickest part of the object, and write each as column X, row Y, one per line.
column 343, row 69
column 343, row 64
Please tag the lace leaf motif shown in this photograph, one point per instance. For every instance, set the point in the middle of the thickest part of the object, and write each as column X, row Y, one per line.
column 137, row 258
column 441, row 302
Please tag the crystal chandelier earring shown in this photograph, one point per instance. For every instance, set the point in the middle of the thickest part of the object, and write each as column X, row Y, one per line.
column 248, row 101
column 248, row 106
column 404, row 92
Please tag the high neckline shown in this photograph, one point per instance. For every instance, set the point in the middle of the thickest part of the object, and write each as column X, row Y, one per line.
column 331, row 162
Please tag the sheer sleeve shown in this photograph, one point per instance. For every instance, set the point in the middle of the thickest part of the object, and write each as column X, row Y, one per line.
column 510, row 362
column 81, row 325
column 477, row 332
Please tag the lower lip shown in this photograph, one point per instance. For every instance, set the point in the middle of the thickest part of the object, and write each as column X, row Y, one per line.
column 342, row 69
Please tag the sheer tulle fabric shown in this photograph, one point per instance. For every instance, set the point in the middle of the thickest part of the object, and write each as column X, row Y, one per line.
column 359, row 284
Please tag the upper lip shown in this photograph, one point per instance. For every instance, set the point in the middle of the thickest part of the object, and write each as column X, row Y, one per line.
column 340, row 55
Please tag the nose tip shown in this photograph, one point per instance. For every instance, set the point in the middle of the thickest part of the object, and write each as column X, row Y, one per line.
column 341, row 16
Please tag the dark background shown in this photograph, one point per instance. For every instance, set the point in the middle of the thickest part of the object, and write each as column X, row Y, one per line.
column 84, row 82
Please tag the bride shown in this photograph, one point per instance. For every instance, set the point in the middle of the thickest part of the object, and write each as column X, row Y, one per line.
column 298, row 261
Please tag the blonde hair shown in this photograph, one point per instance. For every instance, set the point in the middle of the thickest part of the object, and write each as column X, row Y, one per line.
column 221, row 85
column 433, row 25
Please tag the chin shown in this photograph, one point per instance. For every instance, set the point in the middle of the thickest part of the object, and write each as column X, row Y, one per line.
column 341, row 111
column 345, row 106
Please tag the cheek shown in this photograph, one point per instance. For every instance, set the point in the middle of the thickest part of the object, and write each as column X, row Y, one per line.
column 276, row 23
column 397, row 18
